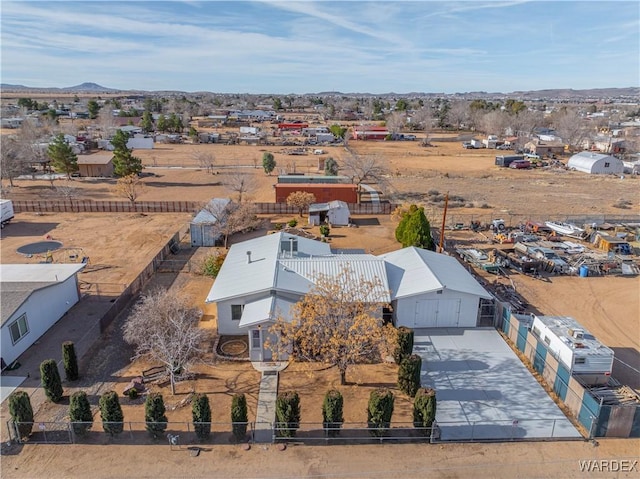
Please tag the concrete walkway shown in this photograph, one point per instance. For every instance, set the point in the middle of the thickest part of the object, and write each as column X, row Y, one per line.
column 266, row 409
column 373, row 195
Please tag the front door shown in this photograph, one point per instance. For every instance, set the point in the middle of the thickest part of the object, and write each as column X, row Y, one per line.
column 256, row 345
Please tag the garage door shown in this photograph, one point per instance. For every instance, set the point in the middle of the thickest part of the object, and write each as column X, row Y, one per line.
column 437, row 313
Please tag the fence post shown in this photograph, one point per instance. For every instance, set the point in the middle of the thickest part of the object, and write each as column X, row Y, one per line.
column 70, row 430
column 553, row 428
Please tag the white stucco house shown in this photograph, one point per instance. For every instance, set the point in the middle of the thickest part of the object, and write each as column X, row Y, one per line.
column 595, row 163
column 262, row 278
column 33, row 297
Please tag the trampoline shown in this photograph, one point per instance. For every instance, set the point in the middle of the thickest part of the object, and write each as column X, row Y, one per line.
column 39, row 247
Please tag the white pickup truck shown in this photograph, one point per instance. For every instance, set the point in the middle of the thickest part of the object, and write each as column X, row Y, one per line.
column 7, row 211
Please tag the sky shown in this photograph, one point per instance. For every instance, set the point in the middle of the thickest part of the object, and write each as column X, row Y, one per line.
column 283, row 47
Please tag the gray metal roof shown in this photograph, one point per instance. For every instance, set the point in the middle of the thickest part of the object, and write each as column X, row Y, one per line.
column 416, row 271
column 335, row 204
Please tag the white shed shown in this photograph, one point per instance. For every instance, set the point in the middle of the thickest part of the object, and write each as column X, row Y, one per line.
column 202, row 228
column 596, row 163
column 334, row 212
column 432, row 290
column 33, row 297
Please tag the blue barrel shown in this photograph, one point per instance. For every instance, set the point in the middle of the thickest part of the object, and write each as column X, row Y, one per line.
column 584, row 271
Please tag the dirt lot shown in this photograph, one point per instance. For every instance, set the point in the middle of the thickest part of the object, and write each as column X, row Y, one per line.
column 119, row 245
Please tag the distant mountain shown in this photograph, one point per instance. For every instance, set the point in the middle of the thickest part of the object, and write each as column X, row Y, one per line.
column 88, row 87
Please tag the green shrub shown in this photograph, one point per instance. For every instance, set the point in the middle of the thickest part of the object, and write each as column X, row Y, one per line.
column 277, row 226
column 111, row 413
column 154, row 414
column 239, row 416
column 201, row 413
column 50, row 380
column 379, row 412
column 288, row 413
column 21, row 412
column 404, row 347
column 133, row 393
column 409, row 374
column 424, row 409
column 332, row 417
column 80, row 413
column 70, row 361
column 212, row 264
column 293, row 223
column 325, row 230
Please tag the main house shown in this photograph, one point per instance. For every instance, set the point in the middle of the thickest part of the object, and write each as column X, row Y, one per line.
column 263, row 277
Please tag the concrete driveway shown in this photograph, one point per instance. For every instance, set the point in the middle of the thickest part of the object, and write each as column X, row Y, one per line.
column 483, row 390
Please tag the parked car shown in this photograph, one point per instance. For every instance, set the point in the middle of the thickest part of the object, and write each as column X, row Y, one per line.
column 518, row 164
column 503, row 147
column 468, row 145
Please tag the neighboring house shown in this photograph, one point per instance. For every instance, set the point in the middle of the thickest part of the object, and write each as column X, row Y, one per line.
column 202, row 228
column 140, row 143
column 334, row 212
column 98, row 165
column 262, row 278
column 544, row 148
column 33, row 297
column 595, row 163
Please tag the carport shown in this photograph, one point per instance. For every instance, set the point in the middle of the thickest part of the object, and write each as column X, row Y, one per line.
column 483, row 390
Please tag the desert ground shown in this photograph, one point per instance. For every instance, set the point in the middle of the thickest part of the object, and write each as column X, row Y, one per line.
column 120, row 245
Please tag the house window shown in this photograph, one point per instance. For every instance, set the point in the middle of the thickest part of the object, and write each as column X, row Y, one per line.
column 19, row 328
column 255, row 339
column 579, row 360
column 236, row 311
column 606, row 165
column 439, row 291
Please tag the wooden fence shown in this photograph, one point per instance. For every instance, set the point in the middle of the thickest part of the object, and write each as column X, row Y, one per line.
column 91, row 206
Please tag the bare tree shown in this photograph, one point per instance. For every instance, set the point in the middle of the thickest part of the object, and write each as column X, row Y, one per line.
column 163, row 327
column 458, row 113
column 368, row 168
column 11, row 161
column 571, row 127
column 240, row 183
column 107, row 122
column 230, row 218
column 129, row 187
column 337, row 323
column 423, row 119
column 494, row 122
column 396, row 122
column 205, row 160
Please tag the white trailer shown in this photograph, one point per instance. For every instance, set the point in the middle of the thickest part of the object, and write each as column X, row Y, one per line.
column 7, row 211
column 580, row 352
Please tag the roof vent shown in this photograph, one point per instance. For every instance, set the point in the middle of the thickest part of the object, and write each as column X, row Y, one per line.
column 248, row 257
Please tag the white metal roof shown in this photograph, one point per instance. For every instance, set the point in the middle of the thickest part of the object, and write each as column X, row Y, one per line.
column 240, row 276
column 46, row 272
column 585, row 160
column 266, row 309
column 414, row 271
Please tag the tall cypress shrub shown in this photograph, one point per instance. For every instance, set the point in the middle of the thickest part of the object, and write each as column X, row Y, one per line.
column 70, row 361
column 80, row 413
column 424, row 409
column 409, row 374
column 404, row 347
column 111, row 413
column 50, row 380
column 154, row 414
column 288, row 413
column 379, row 412
column 239, row 416
column 332, row 417
column 21, row 412
column 201, row 413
